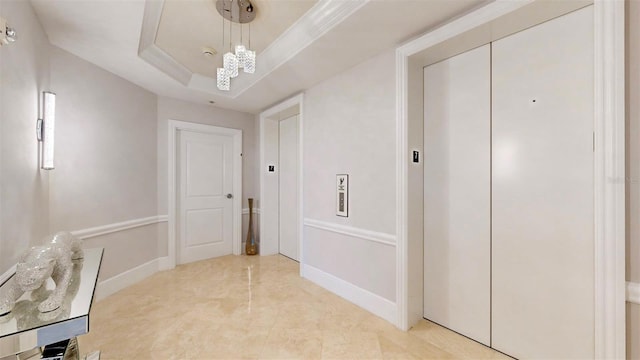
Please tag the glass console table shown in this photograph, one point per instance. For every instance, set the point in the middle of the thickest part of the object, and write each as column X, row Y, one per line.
column 25, row 328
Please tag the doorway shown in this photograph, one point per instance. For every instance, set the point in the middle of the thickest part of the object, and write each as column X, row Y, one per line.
column 466, row 33
column 205, row 191
column 288, row 208
column 281, row 179
column 508, row 233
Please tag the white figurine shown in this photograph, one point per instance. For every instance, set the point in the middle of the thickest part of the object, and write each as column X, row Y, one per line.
column 54, row 260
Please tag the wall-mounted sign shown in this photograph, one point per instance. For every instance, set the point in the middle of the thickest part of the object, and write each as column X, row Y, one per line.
column 342, row 195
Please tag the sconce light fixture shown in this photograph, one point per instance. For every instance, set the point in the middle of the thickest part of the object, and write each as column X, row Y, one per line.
column 45, row 129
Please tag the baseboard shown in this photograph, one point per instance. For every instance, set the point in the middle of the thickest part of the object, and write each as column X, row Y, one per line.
column 123, row 280
column 164, row 264
column 367, row 300
column 633, row 292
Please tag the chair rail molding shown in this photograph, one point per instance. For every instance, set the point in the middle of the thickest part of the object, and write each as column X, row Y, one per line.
column 375, row 236
column 119, row 226
column 101, row 230
column 245, row 211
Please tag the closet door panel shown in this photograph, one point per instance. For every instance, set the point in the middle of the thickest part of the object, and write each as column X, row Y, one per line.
column 457, row 193
column 542, row 178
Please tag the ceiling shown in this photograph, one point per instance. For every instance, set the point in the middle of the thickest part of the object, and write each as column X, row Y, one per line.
column 187, row 26
column 156, row 44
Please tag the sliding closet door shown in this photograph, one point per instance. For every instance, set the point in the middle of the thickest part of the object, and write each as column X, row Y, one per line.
column 542, row 246
column 457, row 193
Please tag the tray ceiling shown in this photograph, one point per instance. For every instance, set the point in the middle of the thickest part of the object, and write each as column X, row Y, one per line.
column 186, row 27
column 156, row 43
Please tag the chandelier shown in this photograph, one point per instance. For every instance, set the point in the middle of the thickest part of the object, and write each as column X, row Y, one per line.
column 241, row 12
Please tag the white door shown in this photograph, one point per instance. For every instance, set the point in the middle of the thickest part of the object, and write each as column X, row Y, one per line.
column 457, row 188
column 288, row 188
column 543, row 242
column 205, row 210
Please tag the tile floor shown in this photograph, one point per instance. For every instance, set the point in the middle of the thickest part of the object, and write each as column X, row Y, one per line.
column 239, row 307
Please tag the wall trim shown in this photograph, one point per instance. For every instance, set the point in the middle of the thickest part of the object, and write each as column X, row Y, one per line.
column 100, row 231
column 119, row 226
column 151, row 53
column 609, row 179
column 245, row 211
column 633, row 292
column 375, row 236
column 123, row 280
column 367, row 300
column 321, row 18
column 269, row 242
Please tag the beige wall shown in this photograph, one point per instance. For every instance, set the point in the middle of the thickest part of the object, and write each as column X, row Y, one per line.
column 110, row 157
column 105, row 146
column 633, row 171
column 101, row 121
column 173, row 109
column 105, row 159
column 24, row 74
column 349, row 128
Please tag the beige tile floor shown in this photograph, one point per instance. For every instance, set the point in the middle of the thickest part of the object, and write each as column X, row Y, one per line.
column 239, row 307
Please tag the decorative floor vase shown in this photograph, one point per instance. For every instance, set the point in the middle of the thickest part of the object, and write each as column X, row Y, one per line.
column 250, row 246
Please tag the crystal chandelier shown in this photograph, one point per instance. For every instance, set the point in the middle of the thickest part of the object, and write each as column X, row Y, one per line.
column 241, row 12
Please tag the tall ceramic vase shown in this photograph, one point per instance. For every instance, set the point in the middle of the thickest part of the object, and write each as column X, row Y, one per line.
column 250, row 246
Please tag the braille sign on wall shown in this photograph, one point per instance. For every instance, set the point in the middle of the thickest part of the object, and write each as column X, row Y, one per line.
column 342, row 195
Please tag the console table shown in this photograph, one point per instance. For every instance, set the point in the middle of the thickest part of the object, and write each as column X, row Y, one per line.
column 25, row 328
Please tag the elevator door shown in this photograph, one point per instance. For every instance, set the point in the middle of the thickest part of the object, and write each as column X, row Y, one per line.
column 542, row 198
column 457, row 119
column 288, row 193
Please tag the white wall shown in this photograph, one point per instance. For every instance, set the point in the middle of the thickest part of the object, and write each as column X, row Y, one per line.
column 173, row 109
column 349, row 128
column 24, row 74
column 633, row 172
column 105, row 159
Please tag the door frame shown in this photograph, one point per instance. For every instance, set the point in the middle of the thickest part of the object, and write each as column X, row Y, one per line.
column 172, row 201
column 609, row 167
column 269, row 244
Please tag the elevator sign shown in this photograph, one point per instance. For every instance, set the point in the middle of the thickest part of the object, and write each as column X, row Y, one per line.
column 342, row 195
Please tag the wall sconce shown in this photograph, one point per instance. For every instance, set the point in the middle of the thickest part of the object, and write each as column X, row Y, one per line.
column 45, row 129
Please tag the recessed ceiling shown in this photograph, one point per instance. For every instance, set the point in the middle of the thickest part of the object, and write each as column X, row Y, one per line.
column 321, row 39
column 186, row 27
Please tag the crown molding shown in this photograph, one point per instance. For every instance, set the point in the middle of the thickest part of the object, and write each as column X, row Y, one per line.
column 322, row 17
column 151, row 53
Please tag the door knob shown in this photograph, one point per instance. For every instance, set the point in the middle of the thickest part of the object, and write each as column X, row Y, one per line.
column 229, row 196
